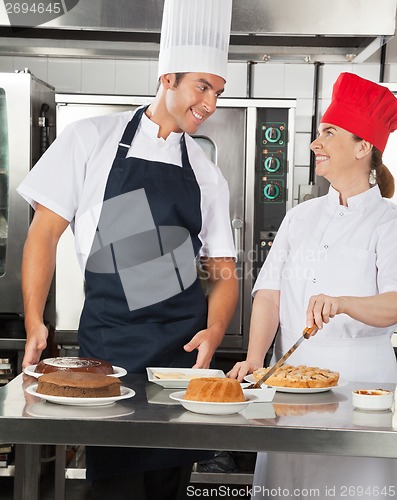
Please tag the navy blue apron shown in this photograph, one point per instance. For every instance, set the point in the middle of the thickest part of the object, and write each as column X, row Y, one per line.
column 153, row 335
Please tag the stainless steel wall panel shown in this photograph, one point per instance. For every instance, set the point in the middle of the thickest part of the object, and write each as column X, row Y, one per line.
column 289, row 17
column 131, row 29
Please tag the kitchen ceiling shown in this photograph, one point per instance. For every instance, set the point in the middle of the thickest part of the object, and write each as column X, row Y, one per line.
column 313, row 30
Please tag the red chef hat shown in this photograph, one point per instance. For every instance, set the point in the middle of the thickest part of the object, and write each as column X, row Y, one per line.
column 363, row 108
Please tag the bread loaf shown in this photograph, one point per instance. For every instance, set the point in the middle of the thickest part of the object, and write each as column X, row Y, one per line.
column 212, row 389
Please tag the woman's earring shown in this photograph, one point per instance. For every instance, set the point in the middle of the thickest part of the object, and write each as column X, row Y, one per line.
column 372, row 177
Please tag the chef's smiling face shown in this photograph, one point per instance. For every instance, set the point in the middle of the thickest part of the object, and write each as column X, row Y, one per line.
column 336, row 153
column 193, row 99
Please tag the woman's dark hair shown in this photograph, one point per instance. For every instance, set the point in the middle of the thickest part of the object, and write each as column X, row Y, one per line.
column 384, row 178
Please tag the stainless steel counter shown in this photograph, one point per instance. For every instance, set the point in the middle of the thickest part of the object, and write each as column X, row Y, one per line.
column 310, row 423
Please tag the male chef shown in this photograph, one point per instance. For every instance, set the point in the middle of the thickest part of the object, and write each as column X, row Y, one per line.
column 146, row 207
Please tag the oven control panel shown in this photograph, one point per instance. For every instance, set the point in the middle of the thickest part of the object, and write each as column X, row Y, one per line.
column 271, row 174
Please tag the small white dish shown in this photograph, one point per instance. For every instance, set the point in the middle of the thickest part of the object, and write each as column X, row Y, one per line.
column 264, row 394
column 30, row 370
column 207, row 408
column 179, row 377
column 126, row 392
column 299, row 390
column 372, row 399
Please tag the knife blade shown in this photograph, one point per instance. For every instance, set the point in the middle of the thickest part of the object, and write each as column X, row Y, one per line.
column 307, row 333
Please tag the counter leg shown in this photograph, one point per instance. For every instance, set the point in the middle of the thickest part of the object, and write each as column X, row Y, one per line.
column 27, row 471
column 60, row 464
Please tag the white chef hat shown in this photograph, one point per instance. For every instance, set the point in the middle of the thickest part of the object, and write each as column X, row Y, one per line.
column 195, row 37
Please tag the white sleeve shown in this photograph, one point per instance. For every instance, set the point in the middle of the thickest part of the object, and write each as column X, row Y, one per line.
column 270, row 275
column 386, row 258
column 216, row 233
column 56, row 181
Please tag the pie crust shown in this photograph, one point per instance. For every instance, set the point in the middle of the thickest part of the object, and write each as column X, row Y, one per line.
column 301, row 376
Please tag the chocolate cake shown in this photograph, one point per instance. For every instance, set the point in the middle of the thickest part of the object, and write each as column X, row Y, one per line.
column 86, row 365
column 78, row 385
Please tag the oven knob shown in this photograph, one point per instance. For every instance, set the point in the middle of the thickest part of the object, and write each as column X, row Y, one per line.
column 273, row 134
column 271, row 191
column 272, row 164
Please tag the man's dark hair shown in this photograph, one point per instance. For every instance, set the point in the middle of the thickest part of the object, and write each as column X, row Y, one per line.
column 178, row 79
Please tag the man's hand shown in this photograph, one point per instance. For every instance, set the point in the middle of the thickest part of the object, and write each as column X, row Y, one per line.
column 35, row 345
column 206, row 342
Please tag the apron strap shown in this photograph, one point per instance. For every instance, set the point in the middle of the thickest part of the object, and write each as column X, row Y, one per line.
column 187, row 168
column 129, row 133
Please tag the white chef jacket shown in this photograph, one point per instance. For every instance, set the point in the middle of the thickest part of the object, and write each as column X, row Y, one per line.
column 324, row 247
column 70, row 178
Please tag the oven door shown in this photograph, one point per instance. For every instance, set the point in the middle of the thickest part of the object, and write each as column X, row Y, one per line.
column 22, row 97
column 225, row 131
column 15, row 161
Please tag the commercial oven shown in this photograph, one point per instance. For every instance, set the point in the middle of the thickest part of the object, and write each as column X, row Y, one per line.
column 27, row 127
column 252, row 141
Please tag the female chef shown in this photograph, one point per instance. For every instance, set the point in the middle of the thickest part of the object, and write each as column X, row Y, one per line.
column 334, row 263
column 145, row 203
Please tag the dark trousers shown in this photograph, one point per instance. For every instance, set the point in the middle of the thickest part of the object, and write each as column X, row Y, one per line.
column 164, row 484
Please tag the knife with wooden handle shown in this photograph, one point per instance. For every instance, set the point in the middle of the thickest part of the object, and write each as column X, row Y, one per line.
column 307, row 333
